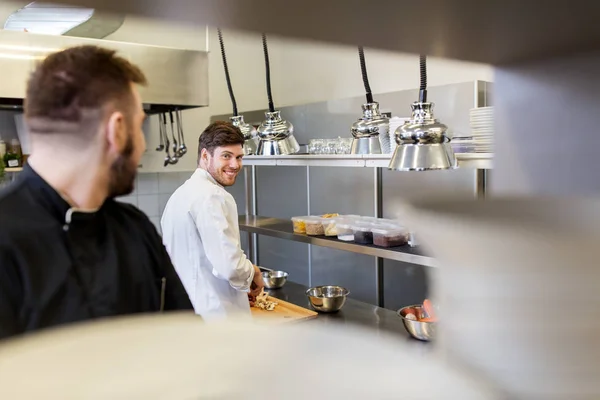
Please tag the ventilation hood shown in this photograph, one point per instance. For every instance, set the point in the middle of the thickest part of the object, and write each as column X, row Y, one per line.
column 176, row 78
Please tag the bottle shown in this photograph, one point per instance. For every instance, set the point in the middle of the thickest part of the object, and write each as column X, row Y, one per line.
column 15, row 146
column 2, row 149
column 12, row 158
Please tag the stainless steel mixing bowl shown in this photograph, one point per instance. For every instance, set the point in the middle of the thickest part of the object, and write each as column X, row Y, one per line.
column 418, row 329
column 274, row 279
column 327, row 298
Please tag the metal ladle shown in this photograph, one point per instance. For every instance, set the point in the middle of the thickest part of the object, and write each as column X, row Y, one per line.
column 168, row 159
column 161, row 145
column 182, row 146
column 175, row 147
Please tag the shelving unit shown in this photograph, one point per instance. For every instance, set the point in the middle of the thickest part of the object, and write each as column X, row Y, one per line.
column 282, row 229
column 473, row 161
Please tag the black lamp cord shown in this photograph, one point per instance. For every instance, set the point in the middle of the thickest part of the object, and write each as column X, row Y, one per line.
column 363, row 68
column 423, row 72
column 227, row 78
column 268, row 71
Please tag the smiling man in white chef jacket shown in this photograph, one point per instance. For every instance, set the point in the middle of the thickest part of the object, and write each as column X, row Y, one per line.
column 201, row 232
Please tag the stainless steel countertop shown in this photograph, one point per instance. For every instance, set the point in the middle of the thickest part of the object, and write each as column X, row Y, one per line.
column 375, row 319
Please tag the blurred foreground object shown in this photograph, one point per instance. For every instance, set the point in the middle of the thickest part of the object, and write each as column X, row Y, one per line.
column 518, row 291
column 176, row 356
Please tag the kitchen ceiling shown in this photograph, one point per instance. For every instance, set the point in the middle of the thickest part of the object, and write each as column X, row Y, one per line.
column 488, row 31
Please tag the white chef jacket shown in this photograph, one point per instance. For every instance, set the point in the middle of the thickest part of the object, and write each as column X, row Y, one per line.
column 201, row 233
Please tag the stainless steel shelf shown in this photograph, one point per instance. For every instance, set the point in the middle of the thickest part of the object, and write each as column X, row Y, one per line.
column 282, row 229
column 473, row 161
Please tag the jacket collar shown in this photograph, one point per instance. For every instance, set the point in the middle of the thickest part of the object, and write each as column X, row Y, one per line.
column 204, row 174
column 44, row 194
column 49, row 198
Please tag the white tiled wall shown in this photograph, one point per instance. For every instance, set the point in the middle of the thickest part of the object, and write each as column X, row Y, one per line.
column 152, row 191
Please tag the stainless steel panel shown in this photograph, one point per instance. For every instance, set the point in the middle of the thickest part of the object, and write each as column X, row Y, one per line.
column 175, row 76
column 345, row 191
column 341, row 190
column 405, row 284
column 355, row 272
column 285, row 255
column 281, row 193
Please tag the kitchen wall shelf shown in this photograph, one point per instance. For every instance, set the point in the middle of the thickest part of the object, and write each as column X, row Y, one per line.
column 472, row 161
column 282, row 229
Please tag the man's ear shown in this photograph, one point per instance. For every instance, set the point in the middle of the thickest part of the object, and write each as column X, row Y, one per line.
column 204, row 155
column 116, row 132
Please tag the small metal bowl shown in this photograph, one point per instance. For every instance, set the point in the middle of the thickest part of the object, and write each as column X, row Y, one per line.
column 327, row 299
column 418, row 329
column 274, row 279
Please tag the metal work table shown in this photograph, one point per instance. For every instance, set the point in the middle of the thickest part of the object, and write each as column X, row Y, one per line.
column 377, row 320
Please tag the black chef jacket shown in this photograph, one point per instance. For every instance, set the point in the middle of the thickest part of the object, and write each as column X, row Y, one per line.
column 58, row 265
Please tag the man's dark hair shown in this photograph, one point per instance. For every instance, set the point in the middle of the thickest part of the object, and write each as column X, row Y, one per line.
column 217, row 134
column 71, row 88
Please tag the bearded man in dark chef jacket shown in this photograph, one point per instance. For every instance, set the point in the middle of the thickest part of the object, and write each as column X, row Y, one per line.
column 68, row 251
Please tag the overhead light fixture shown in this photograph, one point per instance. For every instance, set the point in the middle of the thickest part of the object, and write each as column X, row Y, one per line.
column 49, row 19
column 371, row 130
column 423, row 142
column 249, row 131
column 276, row 134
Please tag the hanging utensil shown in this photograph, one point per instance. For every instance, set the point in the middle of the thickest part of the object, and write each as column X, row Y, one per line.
column 161, row 145
column 175, row 148
column 174, row 158
column 167, row 143
column 182, row 147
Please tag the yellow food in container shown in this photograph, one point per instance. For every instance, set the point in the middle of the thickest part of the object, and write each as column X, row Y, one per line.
column 299, row 224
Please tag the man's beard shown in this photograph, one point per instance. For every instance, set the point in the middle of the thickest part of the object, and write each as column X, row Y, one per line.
column 216, row 174
column 123, row 172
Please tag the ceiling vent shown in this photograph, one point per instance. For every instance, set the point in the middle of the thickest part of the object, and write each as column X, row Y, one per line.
column 58, row 19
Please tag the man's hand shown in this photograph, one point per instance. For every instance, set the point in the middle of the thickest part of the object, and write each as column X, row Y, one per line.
column 257, row 284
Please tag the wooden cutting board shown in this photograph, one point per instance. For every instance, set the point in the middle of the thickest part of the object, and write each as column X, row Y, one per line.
column 283, row 312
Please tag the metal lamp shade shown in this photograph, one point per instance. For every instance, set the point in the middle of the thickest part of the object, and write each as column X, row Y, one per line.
column 249, row 132
column 423, row 157
column 367, row 130
column 423, row 143
column 276, row 136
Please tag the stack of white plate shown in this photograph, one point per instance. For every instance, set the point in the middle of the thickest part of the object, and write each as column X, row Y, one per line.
column 395, row 123
column 481, row 137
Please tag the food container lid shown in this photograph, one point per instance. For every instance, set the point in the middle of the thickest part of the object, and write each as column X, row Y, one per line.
column 390, row 221
column 300, row 219
column 389, row 230
column 313, row 220
column 345, row 225
column 369, row 219
column 362, row 227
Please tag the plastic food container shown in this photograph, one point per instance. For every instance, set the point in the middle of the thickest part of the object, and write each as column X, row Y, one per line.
column 345, row 231
column 363, row 233
column 330, row 225
column 314, row 226
column 389, row 236
column 350, row 217
column 299, row 224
